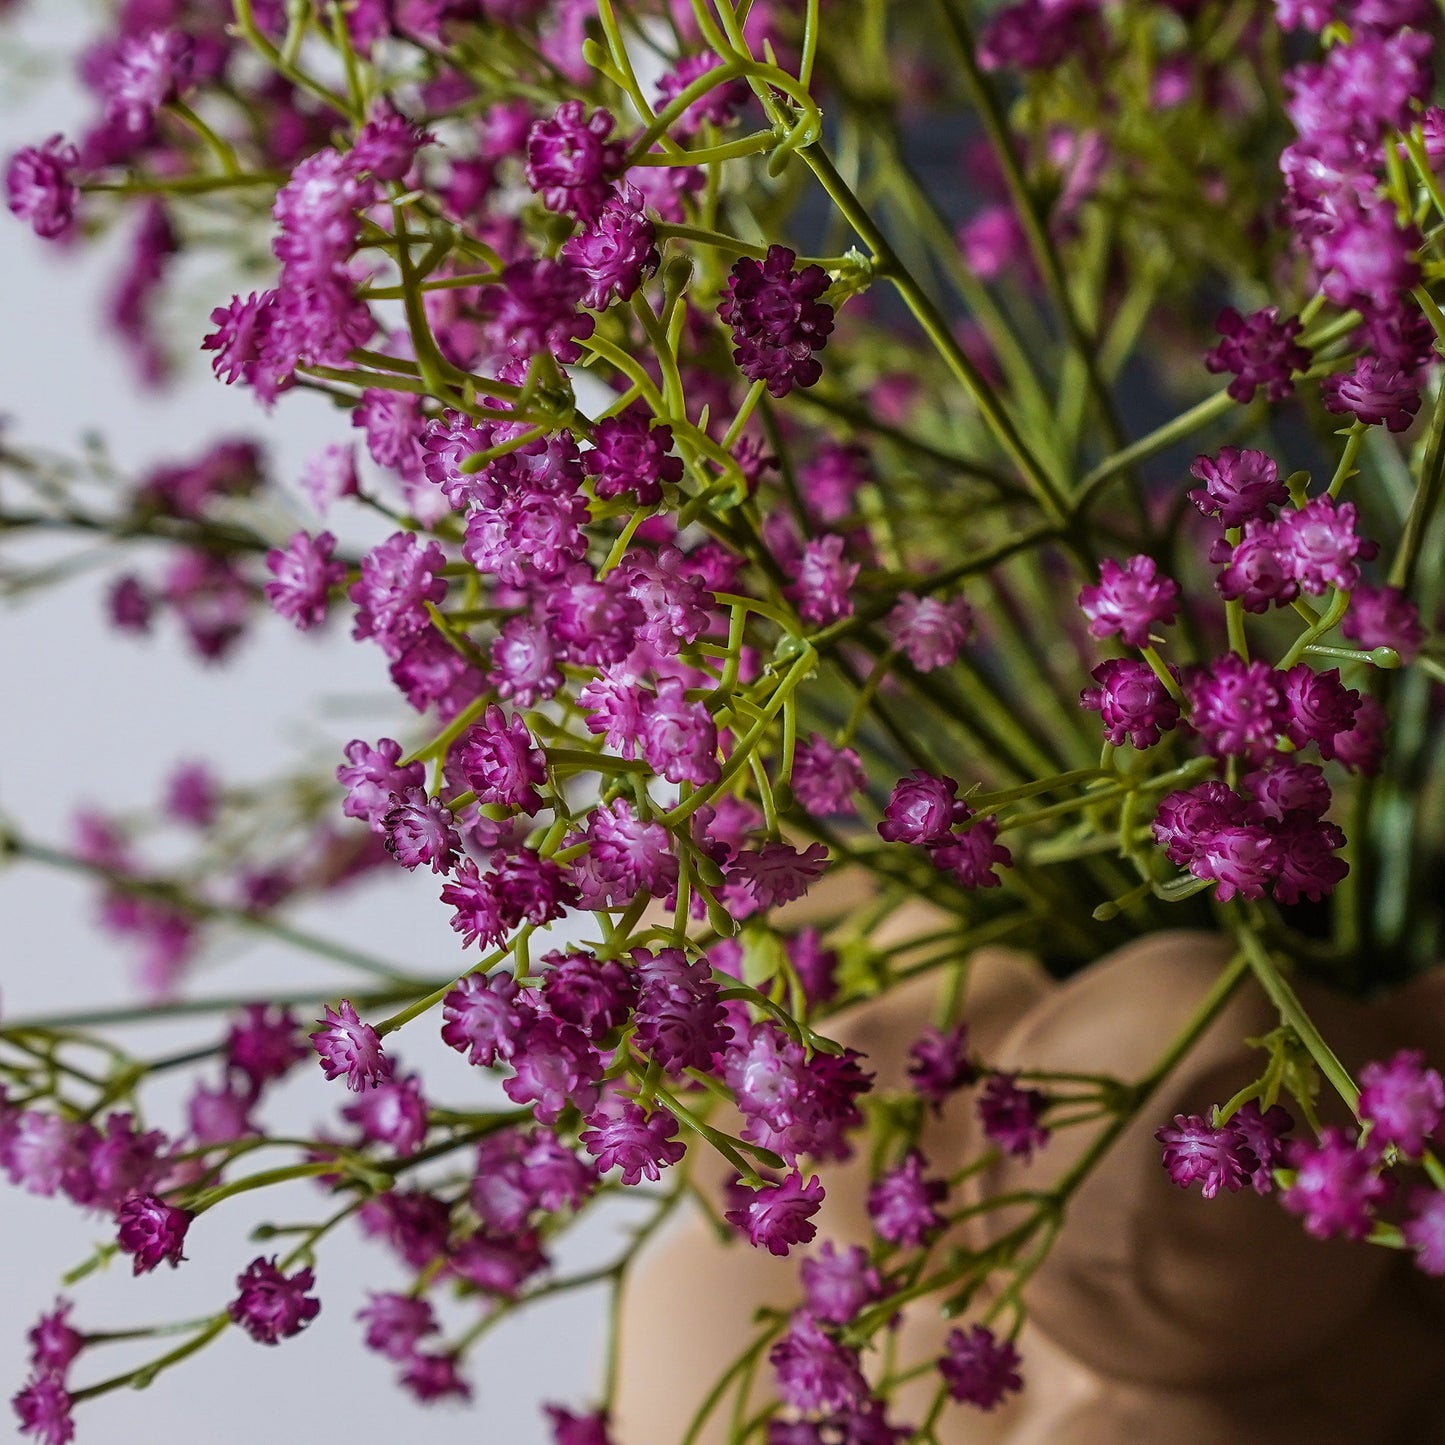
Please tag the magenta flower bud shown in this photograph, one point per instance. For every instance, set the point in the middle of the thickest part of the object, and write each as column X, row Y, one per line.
column 779, row 1216
column 939, row 1064
column 418, row 829
column 1130, row 600
column 434, row 1377
column 1375, row 392
column 502, row 763
column 639, row 1144
column 902, row 1203
column 1195, row 1152
column 1132, row 702
column 1240, row 486
column 1286, row 787
column 398, row 578
column 394, row 1113
column 1260, row 350
column 814, row 1371
column 777, row 319
column 1383, row 617
column 570, row 161
column 395, row 1323
column 838, row 1283
column 482, row 1017
column 1424, row 1231
column 979, row 1369
column 922, row 810
column 1238, row 708
column 825, row 778
column 929, row 633
column 305, row 575
column 371, row 775
column 821, row 589
column 348, row 1046
column 1011, row 1116
column 1322, row 545
column 40, row 189
column 1337, row 1186
column 632, row 456
column 152, row 1231
column 1320, row 707
column 972, row 855
column 678, row 737
column 43, row 1409
column 570, row 1429
column 1402, row 1101
column 616, row 250
column 272, row 1306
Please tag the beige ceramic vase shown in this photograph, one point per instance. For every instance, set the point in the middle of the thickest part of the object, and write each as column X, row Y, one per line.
column 1160, row 1318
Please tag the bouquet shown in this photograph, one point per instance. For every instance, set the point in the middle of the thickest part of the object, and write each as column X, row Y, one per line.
column 793, row 461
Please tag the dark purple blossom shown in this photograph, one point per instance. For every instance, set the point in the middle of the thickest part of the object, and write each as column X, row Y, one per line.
column 903, row 1204
column 1336, row 1187
column 778, row 1216
column 1012, row 1115
column 272, row 1306
column 1261, row 351
column 1240, row 485
column 980, row 1369
column 1130, row 600
column 777, row 319
column 40, row 186
column 1133, row 703
column 348, row 1046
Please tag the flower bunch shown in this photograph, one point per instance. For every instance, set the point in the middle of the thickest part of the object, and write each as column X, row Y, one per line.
column 737, row 574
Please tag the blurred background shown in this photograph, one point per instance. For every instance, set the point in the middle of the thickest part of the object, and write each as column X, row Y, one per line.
column 91, row 717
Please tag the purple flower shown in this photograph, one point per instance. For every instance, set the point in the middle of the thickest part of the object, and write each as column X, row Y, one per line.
column 1130, row 600
column 1260, row 350
column 535, row 310
column 570, row 1429
column 1195, row 1151
column 1375, row 392
column 1336, row 1187
column 395, row 1322
column 1323, row 547
column 1240, row 485
column 317, row 212
column 416, row 1225
column 616, row 250
column 972, row 855
column 371, row 775
column 348, row 1046
column 1286, row 787
column 1263, row 1131
column 1133, row 703
column 148, row 71
column 240, row 341
column 263, row 1045
column 272, row 1306
column 1424, row 1230
column 640, row 1144
column 980, row 1369
column 1259, row 570
column 387, row 144
column 434, row 1377
column 1320, row 708
column 1402, row 1101
column 394, row 1113
column 556, row 1068
column 777, row 320
column 628, row 854
column 570, row 161
column 778, row 1216
column 929, row 633
column 823, row 581
column 502, row 763
column 1238, row 708
column 418, row 829
column 837, row 1284
column 524, row 662
column 596, row 995
column 529, row 887
column 825, row 778
column 831, row 480
column 497, row 1266
column 1361, row 749
column 1011, row 1116
column 40, row 189
column 477, row 912
column 901, row 1203
column 1034, row 34
column 680, row 1017
column 54, row 1342
column 43, row 1409
column 305, row 573
column 41, row 1151
column 398, row 578
column 1383, row 617
column 939, row 1064
column 777, row 873
column 814, row 1371
column 923, row 809
column 679, row 738
column 630, row 455
column 152, row 1231
column 482, row 1017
